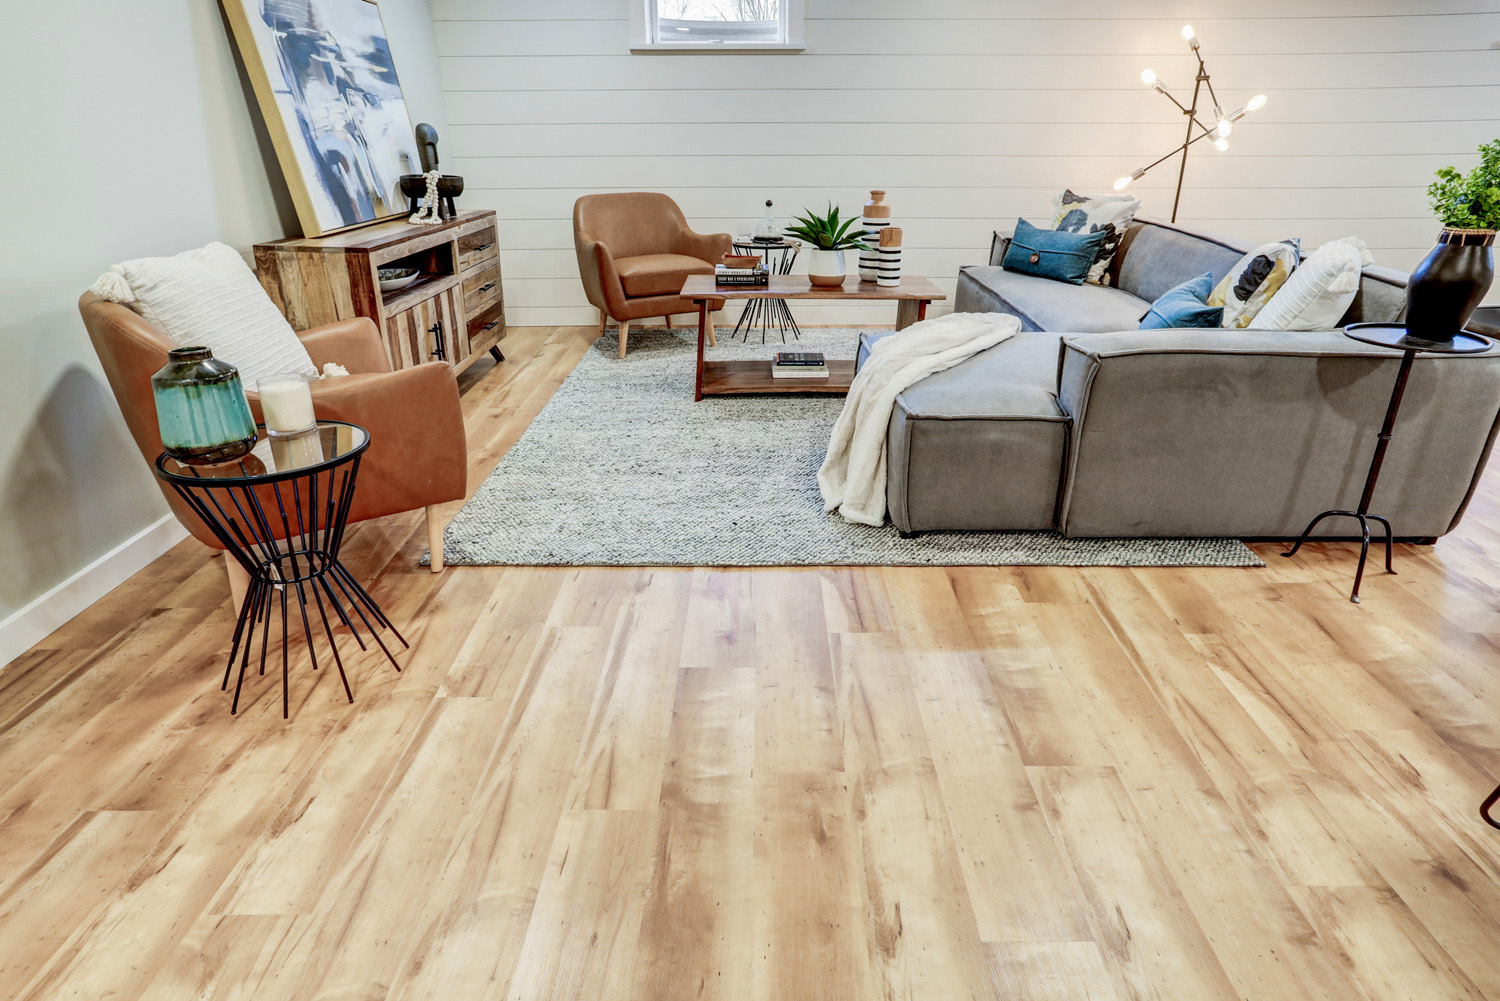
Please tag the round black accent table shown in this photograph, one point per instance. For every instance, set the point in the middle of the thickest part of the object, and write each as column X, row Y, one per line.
column 281, row 511
column 777, row 256
column 1388, row 335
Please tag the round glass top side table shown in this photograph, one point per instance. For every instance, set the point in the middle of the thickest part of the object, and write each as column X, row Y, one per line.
column 778, row 257
column 1388, row 335
column 281, row 511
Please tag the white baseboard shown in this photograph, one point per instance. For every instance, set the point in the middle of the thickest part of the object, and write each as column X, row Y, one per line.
column 30, row 625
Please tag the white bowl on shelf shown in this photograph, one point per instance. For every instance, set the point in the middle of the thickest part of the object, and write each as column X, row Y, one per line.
column 396, row 279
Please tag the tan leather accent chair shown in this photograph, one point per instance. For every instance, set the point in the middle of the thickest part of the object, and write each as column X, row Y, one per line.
column 634, row 252
column 417, row 456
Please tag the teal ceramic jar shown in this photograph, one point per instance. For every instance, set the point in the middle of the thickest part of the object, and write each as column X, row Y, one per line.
column 201, row 408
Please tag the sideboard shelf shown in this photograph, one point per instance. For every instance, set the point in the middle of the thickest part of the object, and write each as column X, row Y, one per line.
column 455, row 312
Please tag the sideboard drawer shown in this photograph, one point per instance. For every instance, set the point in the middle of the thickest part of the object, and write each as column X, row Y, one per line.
column 481, row 288
column 476, row 248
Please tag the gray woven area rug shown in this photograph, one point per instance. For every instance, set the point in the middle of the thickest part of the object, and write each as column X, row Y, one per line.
column 622, row 468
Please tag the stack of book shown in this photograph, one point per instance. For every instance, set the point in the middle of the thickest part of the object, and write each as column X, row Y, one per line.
column 799, row 365
column 741, row 276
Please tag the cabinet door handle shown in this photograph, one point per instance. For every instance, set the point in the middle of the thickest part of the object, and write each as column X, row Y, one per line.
column 491, row 325
column 484, row 288
column 477, row 249
column 439, row 350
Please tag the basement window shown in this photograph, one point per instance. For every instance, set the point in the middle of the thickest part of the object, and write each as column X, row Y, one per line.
column 716, row 26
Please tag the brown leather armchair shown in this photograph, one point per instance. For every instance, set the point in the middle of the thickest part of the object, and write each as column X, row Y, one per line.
column 417, row 455
column 634, row 252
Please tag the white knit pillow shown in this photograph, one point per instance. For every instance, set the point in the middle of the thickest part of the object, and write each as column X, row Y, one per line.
column 1319, row 292
column 210, row 297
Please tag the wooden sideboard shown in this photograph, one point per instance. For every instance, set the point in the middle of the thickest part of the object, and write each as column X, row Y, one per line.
column 454, row 312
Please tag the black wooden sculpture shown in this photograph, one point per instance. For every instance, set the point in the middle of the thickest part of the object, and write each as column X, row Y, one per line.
column 414, row 186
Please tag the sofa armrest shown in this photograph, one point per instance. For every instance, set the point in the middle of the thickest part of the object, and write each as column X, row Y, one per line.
column 354, row 344
column 999, row 244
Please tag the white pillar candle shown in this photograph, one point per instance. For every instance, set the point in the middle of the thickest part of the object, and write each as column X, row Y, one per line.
column 286, row 402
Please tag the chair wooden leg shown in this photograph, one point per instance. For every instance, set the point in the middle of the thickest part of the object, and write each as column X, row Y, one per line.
column 668, row 320
column 713, row 342
column 603, row 321
column 435, row 526
column 239, row 581
column 624, row 334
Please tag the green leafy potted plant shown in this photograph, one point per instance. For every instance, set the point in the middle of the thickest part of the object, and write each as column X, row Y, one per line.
column 827, row 238
column 1444, row 290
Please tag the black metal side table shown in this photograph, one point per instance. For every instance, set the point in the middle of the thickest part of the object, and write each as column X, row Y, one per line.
column 766, row 312
column 281, row 512
column 1389, row 335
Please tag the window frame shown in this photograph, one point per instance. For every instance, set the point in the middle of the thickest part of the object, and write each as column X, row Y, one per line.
column 643, row 22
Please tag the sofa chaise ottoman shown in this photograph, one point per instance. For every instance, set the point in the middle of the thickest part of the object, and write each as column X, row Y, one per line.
column 1086, row 424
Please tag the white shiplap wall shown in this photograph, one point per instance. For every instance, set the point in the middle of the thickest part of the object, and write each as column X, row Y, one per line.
column 969, row 113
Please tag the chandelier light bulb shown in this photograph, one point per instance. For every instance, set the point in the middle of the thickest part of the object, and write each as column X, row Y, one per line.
column 1256, row 103
column 1224, row 128
column 1221, row 144
column 1190, row 37
column 1148, row 77
column 1123, row 182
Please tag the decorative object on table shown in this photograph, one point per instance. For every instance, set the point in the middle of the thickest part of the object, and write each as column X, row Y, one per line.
column 767, row 231
column 290, row 546
column 1250, row 284
column 657, row 251
column 430, row 194
column 1088, row 214
column 396, row 279
column 777, row 258
column 729, row 378
column 201, row 408
column 1319, row 292
column 286, row 403
column 208, row 297
column 877, row 216
column 1056, row 254
column 328, row 91
column 1390, row 335
column 453, row 309
column 799, row 365
column 741, row 262
column 753, row 277
column 889, row 269
column 1453, row 279
column 737, row 487
column 1196, row 130
column 828, row 237
column 1186, row 305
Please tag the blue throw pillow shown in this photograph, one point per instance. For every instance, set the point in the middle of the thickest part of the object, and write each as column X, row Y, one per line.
column 1185, row 306
column 1047, row 253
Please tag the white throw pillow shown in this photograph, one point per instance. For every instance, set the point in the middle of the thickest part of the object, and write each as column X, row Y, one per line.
column 1252, row 282
column 1074, row 213
column 210, row 297
column 1319, row 292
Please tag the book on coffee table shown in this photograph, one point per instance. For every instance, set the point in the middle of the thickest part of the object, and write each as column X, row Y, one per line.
column 799, row 365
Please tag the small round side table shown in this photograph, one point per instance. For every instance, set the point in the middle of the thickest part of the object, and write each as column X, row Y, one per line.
column 281, row 511
column 1388, row 335
column 765, row 312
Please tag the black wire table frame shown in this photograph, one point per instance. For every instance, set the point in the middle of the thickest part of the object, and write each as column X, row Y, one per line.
column 1389, row 335
column 768, row 312
column 287, row 542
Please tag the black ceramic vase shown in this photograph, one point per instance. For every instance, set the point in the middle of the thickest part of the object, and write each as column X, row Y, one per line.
column 1446, row 287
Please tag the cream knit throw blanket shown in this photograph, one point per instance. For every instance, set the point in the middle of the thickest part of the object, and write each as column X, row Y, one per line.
column 852, row 479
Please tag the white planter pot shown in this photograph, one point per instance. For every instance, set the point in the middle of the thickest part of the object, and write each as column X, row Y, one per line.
column 825, row 267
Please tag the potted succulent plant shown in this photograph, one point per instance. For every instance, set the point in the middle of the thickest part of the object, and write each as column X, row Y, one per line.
column 828, row 238
column 1446, row 287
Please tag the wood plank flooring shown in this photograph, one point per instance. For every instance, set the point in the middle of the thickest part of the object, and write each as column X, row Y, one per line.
column 810, row 784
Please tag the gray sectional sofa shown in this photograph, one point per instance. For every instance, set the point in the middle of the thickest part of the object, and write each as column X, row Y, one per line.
column 1085, row 424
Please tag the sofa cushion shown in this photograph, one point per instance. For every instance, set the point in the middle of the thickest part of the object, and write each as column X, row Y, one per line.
column 1185, row 306
column 980, row 445
column 658, row 274
column 1047, row 305
column 1155, row 256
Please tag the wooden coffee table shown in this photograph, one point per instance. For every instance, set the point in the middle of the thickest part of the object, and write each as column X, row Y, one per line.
column 727, row 378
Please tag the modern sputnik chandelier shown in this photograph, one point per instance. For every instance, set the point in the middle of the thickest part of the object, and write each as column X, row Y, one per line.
column 1196, row 130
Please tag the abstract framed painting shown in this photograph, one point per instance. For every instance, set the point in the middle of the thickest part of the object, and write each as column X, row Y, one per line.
column 328, row 90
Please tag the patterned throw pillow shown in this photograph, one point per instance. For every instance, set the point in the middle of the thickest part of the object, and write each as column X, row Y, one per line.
column 1109, row 214
column 1251, row 283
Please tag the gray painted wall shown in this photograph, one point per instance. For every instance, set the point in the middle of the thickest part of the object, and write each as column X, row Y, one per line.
column 129, row 132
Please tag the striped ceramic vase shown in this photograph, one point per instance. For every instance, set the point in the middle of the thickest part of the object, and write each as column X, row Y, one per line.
column 876, row 218
column 888, row 267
